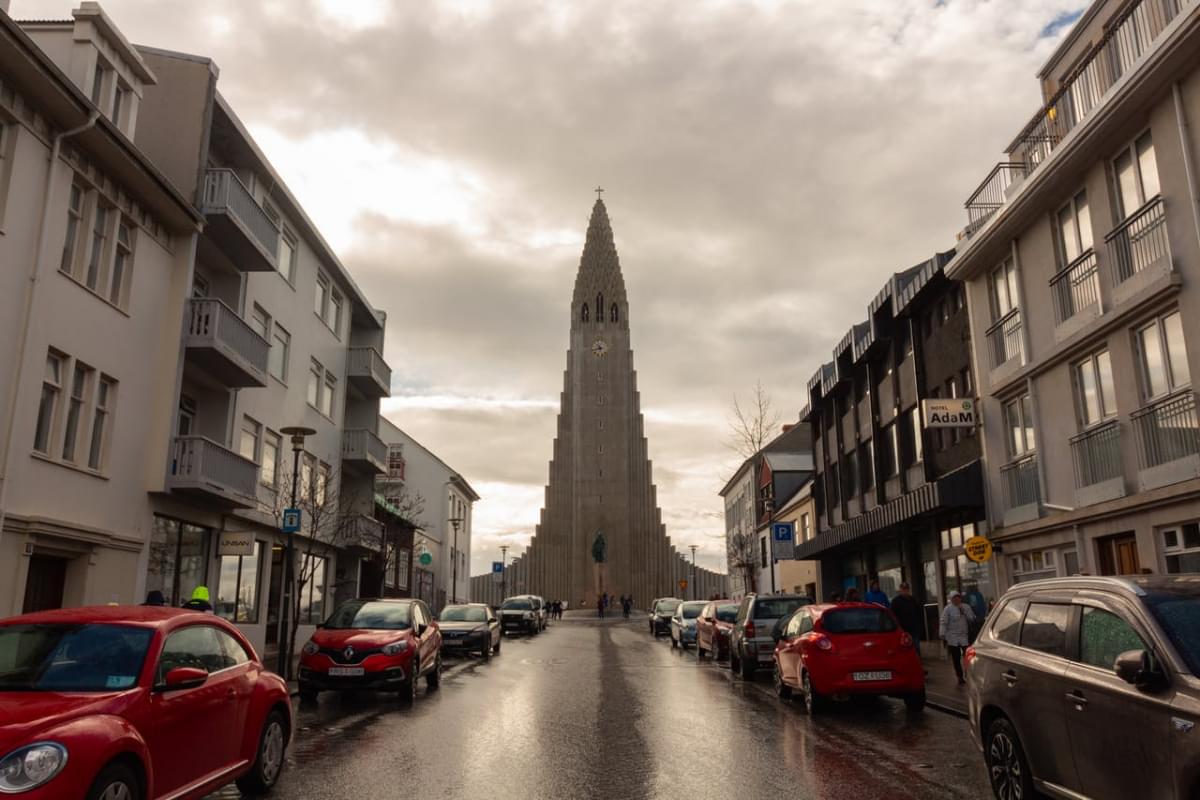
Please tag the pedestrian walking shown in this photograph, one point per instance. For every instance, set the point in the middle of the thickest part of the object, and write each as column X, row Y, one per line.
column 908, row 611
column 199, row 600
column 957, row 618
column 874, row 595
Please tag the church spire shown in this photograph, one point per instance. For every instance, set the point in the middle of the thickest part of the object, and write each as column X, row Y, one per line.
column 599, row 281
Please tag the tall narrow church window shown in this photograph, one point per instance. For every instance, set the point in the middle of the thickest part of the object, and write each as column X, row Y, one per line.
column 584, row 314
column 613, row 314
column 599, row 308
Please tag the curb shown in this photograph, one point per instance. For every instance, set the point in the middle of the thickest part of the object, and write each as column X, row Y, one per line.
column 945, row 708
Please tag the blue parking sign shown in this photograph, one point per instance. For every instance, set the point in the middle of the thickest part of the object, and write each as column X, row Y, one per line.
column 783, row 535
column 783, row 531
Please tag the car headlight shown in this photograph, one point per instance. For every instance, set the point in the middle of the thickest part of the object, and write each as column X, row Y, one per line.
column 31, row 766
column 310, row 648
column 528, row 615
column 395, row 648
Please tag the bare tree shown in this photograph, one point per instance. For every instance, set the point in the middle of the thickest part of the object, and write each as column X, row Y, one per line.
column 741, row 551
column 409, row 508
column 753, row 423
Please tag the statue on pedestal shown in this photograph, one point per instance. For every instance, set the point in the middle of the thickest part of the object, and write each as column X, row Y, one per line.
column 599, row 557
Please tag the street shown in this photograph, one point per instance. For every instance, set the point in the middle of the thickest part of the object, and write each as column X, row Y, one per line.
column 603, row 710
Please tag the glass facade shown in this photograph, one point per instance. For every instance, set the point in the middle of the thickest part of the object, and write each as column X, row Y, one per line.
column 178, row 559
column 237, row 587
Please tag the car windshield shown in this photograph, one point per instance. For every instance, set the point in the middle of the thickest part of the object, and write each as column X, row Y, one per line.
column 727, row 613
column 777, row 607
column 71, row 658
column 1179, row 615
column 858, row 620
column 692, row 610
column 517, row 604
column 463, row 614
column 372, row 614
column 667, row 606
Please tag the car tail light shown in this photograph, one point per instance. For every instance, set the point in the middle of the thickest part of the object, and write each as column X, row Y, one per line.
column 822, row 642
column 969, row 656
column 906, row 641
column 749, row 629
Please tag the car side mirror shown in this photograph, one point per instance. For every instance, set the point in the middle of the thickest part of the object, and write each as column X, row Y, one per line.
column 421, row 628
column 183, row 678
column 1136, row 667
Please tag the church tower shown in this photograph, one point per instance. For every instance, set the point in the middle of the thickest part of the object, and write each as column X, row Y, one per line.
column 600, row 481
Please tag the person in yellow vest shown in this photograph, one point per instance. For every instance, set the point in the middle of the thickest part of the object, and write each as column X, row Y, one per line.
column 199, row 601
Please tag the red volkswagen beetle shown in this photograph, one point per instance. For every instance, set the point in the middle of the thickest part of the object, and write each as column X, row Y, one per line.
column 834, row 651
column 126, row 703
column 373, row 644
column 713, row 627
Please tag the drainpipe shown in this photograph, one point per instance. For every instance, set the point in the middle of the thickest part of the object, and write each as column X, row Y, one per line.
column 1185, row 144
column 27, row 308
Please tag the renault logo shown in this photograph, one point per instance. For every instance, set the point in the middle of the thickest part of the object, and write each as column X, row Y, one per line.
column 348, row 653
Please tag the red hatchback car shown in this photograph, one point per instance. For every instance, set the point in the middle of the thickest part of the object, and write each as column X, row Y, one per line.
column 135, row 703
column 373, row 644
column 835, row 651
column 713, row 627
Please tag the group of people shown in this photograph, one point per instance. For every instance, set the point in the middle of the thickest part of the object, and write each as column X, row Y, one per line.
column 604, row 601
column 555, row 608
column 199, row 601
column 957, row 623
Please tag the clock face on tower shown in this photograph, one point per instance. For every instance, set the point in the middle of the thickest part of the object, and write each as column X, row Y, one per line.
column 599, row 348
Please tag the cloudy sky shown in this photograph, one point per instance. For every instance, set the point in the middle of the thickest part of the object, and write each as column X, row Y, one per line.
column 767, row 166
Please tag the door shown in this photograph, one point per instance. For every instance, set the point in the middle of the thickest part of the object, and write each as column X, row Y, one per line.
column 1106, row 715
column 273, row 594
column 44, row 583
column 789, row 651
column 1117, row 555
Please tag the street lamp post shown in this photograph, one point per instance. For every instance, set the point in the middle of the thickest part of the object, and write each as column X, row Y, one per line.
column 283, row 667
column 503, row 571
column 455, row 521
column 694, row 587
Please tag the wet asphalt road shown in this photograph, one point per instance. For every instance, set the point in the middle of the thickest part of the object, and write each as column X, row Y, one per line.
column 589, row 710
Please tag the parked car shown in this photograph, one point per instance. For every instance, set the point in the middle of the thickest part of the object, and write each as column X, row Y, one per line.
column 713, row 627
column 1090, row 687
column 519, row 614
column 683, row 623
column 133, row 703
column 750, row 642
column 848, row 649
column 542, row 609
column 373, row 644
column 661, row 611
column 469, row 627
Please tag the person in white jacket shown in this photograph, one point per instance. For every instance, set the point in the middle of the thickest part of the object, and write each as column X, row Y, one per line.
column 957, row 618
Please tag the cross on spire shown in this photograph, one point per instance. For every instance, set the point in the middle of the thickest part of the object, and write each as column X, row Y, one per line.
column 599, row 191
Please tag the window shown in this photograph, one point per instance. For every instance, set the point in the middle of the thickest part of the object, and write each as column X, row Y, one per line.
column 1045, row 628
column 74, row 221
column 286, row 255
column 96, row 253
column 1181, row 548
column 281, row 345
column 1103, row 636
column 81, row 378
column 866, row 460
column 762, row 551
column 1007, row 626
column 321, row 297
column 888, row 463
column 321, row 489
column 249, row 440
column 105, row 395
column 315, row 371
column 121, row 263
column 237, row 587
column 178, row 559
column 1163, row 356
column 334, row 319
column 308, row 468
column 1003, row 289
column 850, row 476
column 967, row 387
column 395, row 462
column 272, row 444
column 312, row 594
column 805, row 528
column 260, row 321
column 909, row 433
column 1018, row 421
column 328, row 389
column 98, row 83
column 1094, row 389
column 614, row 314
column 48, row 406
column 118, row 102
column 1032, row 566
column 1135, row 171
column 583, row 315
column 1074, row 229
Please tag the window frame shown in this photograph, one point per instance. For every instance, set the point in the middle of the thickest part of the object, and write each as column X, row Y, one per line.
column 305, row 617
column 1130, row 149
column 1180, row 548
column 1091, row 362
column 259, row 316
column 1029, row 443
column 75, row 216
column 280, row 337
column 316, row 376
column 254, row 428
column 328, row 394
column 322, row 289
column 270, row 437
column 1072, row 208
column 102, row 410
column 237, row 586
column 79, row 408
column 1011, row 286
column 1158, row 323
column 55, row 385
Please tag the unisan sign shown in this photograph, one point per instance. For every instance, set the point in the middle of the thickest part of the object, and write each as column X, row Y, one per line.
column 949, row 413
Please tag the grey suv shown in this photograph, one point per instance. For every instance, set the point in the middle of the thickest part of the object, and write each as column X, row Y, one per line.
column 751, row 644
column 1090, row 687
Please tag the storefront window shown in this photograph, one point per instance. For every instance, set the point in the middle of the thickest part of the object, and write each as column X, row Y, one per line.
column 178, row 559
column 1034, row 565
column 890, row 580
column 237, row 589
column 977, row 587
column 312, row 594
column 1181, row 548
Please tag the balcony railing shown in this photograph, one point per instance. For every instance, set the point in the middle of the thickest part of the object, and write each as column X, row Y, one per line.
column 1140, row 242
column 990, row 195
column 1004, row 338
column 225, row 196
column 1020, row 479
column 225, row 344
column 1097, row 454
column 362, row 448
column 1167, row 430
column 1076, row 288
column 201, row 465
column 369, row 372
column 1129, row 35
column 363, row 531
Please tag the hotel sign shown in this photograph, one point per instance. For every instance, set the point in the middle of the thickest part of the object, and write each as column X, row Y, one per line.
column 958, row 412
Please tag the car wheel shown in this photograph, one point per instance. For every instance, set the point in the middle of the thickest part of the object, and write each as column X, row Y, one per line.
column 748, row 667
column 813, row 702
column 485, row 652
column 268, row 761
column 433, row 678
column 733, row 662
column 1008, row 770
column 496, row 649
column 782, row 690
column 408, row 689
column 699, row 650
column 116, row 782
column 915, row 702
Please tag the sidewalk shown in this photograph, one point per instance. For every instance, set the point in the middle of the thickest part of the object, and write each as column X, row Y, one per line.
column 941, row 684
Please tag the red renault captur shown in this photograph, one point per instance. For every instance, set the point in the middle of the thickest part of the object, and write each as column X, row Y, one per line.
column 373, row 644
column 135, row 703
column 835, row 651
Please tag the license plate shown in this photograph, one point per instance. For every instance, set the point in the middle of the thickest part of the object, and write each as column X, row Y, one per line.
column 872, row 676
column 345, row 672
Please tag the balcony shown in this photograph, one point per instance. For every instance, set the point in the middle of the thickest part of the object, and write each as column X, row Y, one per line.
column 1129, row 35
column 203, row 468
column 1022, row 490
column 225, row 346
column 1139, row 250
column 1076, row 295
column 238, row 223
column 363, row 451
column 1004, row 342
column 1096, row 454
column 992, row 193
column 1168, row 440
column 368, row 372
column 362, row 531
